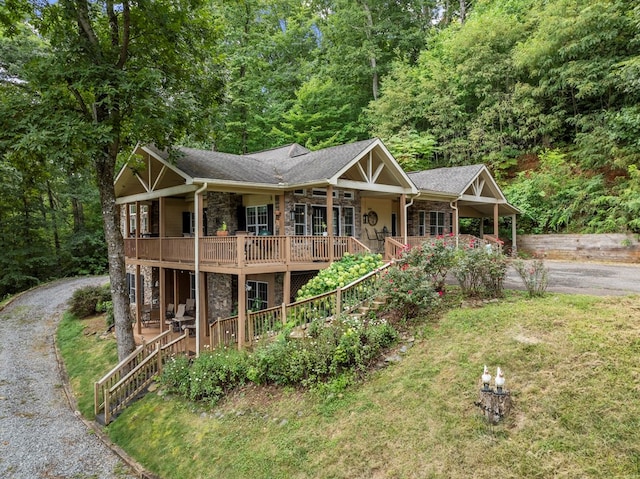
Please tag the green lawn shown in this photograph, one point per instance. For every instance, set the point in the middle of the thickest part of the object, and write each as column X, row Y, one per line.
column 571, row 363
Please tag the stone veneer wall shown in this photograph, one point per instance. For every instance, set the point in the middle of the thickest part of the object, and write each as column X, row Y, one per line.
column 220, row 294
column 290, row 199
column 413, row 218
column 222, row 207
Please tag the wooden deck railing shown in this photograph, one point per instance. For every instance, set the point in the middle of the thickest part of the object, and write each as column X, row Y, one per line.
column 268, row 322
column 243, row 250
column 131, row 376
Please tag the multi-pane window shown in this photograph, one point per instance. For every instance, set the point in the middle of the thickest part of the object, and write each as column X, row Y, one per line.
column 349, row 221
column 299, row 220
column 422, row 223
column 132, row 219
column 144, row 219
column 131, row 285
column 257, row 218
column 436, row 223
column 257, row 295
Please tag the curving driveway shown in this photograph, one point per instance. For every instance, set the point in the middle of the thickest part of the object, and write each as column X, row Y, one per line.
column 599, row 279
column 40, row 435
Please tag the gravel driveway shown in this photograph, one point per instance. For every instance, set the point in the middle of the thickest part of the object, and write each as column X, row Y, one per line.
column 40, row 436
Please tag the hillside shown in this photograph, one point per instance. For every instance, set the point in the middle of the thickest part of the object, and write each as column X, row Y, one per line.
column 569, row 361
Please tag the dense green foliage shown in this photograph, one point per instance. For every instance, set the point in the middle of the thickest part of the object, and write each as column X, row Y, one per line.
column 89, row 300
column 332, row 353
column 544, row 92
column 340, row 273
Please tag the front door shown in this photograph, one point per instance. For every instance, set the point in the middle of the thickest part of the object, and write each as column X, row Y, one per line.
column 319, row 220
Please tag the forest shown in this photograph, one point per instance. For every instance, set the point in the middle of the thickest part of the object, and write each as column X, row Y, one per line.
column 546, row 93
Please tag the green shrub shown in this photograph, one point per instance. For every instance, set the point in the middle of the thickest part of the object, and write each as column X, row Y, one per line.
column 340, row 273
column 534, row 275
column 408, row 291
column 480, row 272
column 215, row 373
column 84, row 301
column 175, row 375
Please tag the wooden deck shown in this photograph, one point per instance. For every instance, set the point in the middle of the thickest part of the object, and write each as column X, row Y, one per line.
column 239, row 252
column 151, row 331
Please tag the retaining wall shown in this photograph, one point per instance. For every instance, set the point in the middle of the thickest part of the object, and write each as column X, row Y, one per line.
column 592, row 247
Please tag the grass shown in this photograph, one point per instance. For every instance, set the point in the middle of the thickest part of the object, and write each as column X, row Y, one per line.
column 86, row 354
column 570, row 363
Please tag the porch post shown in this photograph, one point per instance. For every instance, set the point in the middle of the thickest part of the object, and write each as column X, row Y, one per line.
column 242, row 308
column 495, row 220
column 282, row 217
column 330, row 221
column 482, row 227
column 138, row 301
column 161, row 227
column 286, row 288
column 202, row 310
column 513, row 234
column 403, row 217
column 163, row 299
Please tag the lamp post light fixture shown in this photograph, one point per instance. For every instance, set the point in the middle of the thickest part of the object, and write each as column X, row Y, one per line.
column 365, row 218
column 495, row 404
column 486, row 379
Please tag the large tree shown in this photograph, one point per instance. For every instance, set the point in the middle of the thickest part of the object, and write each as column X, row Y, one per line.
column 110, row 74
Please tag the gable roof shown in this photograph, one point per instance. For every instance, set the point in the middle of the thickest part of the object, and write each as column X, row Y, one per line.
column 289, row 166
column 453, row 180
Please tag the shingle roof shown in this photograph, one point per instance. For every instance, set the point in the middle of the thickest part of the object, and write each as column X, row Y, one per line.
column 291, row 164
column 453, row 180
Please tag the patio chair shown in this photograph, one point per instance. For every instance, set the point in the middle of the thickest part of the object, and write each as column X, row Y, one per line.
column 169, row 314
column 190, row 306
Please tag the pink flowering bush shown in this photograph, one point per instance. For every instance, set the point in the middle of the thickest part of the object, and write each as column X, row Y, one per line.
column 480, row 272
column 534, row 275
column 408, row 290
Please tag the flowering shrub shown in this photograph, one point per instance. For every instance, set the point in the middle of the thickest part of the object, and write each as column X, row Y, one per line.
column 480, row 272
column 214, row 373
column 340, row 273
column 417, row 282
column 175, row 375
column 534, row 274
column 408, row 291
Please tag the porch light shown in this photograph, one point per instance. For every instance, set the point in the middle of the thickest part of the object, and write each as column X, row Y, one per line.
column 292, row 214
column 365, row 218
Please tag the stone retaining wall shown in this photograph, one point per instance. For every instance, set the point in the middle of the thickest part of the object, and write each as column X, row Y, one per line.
column 592, row 247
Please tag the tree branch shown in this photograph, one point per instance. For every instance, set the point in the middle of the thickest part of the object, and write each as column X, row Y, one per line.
column 126, row 34
column 84, row 23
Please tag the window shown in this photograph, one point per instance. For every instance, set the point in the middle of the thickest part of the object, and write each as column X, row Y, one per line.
column 299, row 192
column 349, row 220
column 132, row 219
column 144, row 218
column 192, row 285
column 422, row 223
column 436, row 223
column 322, row 193
column 131, row 286
column 257, row 219
column 348, row 195
column 299, row 223
column 257, row 297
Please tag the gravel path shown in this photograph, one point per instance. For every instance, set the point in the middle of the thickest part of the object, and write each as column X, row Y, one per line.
column 40, row 436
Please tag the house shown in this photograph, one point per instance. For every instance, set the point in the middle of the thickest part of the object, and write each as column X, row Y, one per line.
column 286, row 214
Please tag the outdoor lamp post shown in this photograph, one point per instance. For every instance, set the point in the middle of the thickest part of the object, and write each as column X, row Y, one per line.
column 495, row 404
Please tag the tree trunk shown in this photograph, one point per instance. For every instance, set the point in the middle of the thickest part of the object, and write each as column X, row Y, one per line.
column 115, row 247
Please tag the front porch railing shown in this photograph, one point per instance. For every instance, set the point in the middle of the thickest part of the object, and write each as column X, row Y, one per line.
column 244, row 250
column 268, row 322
